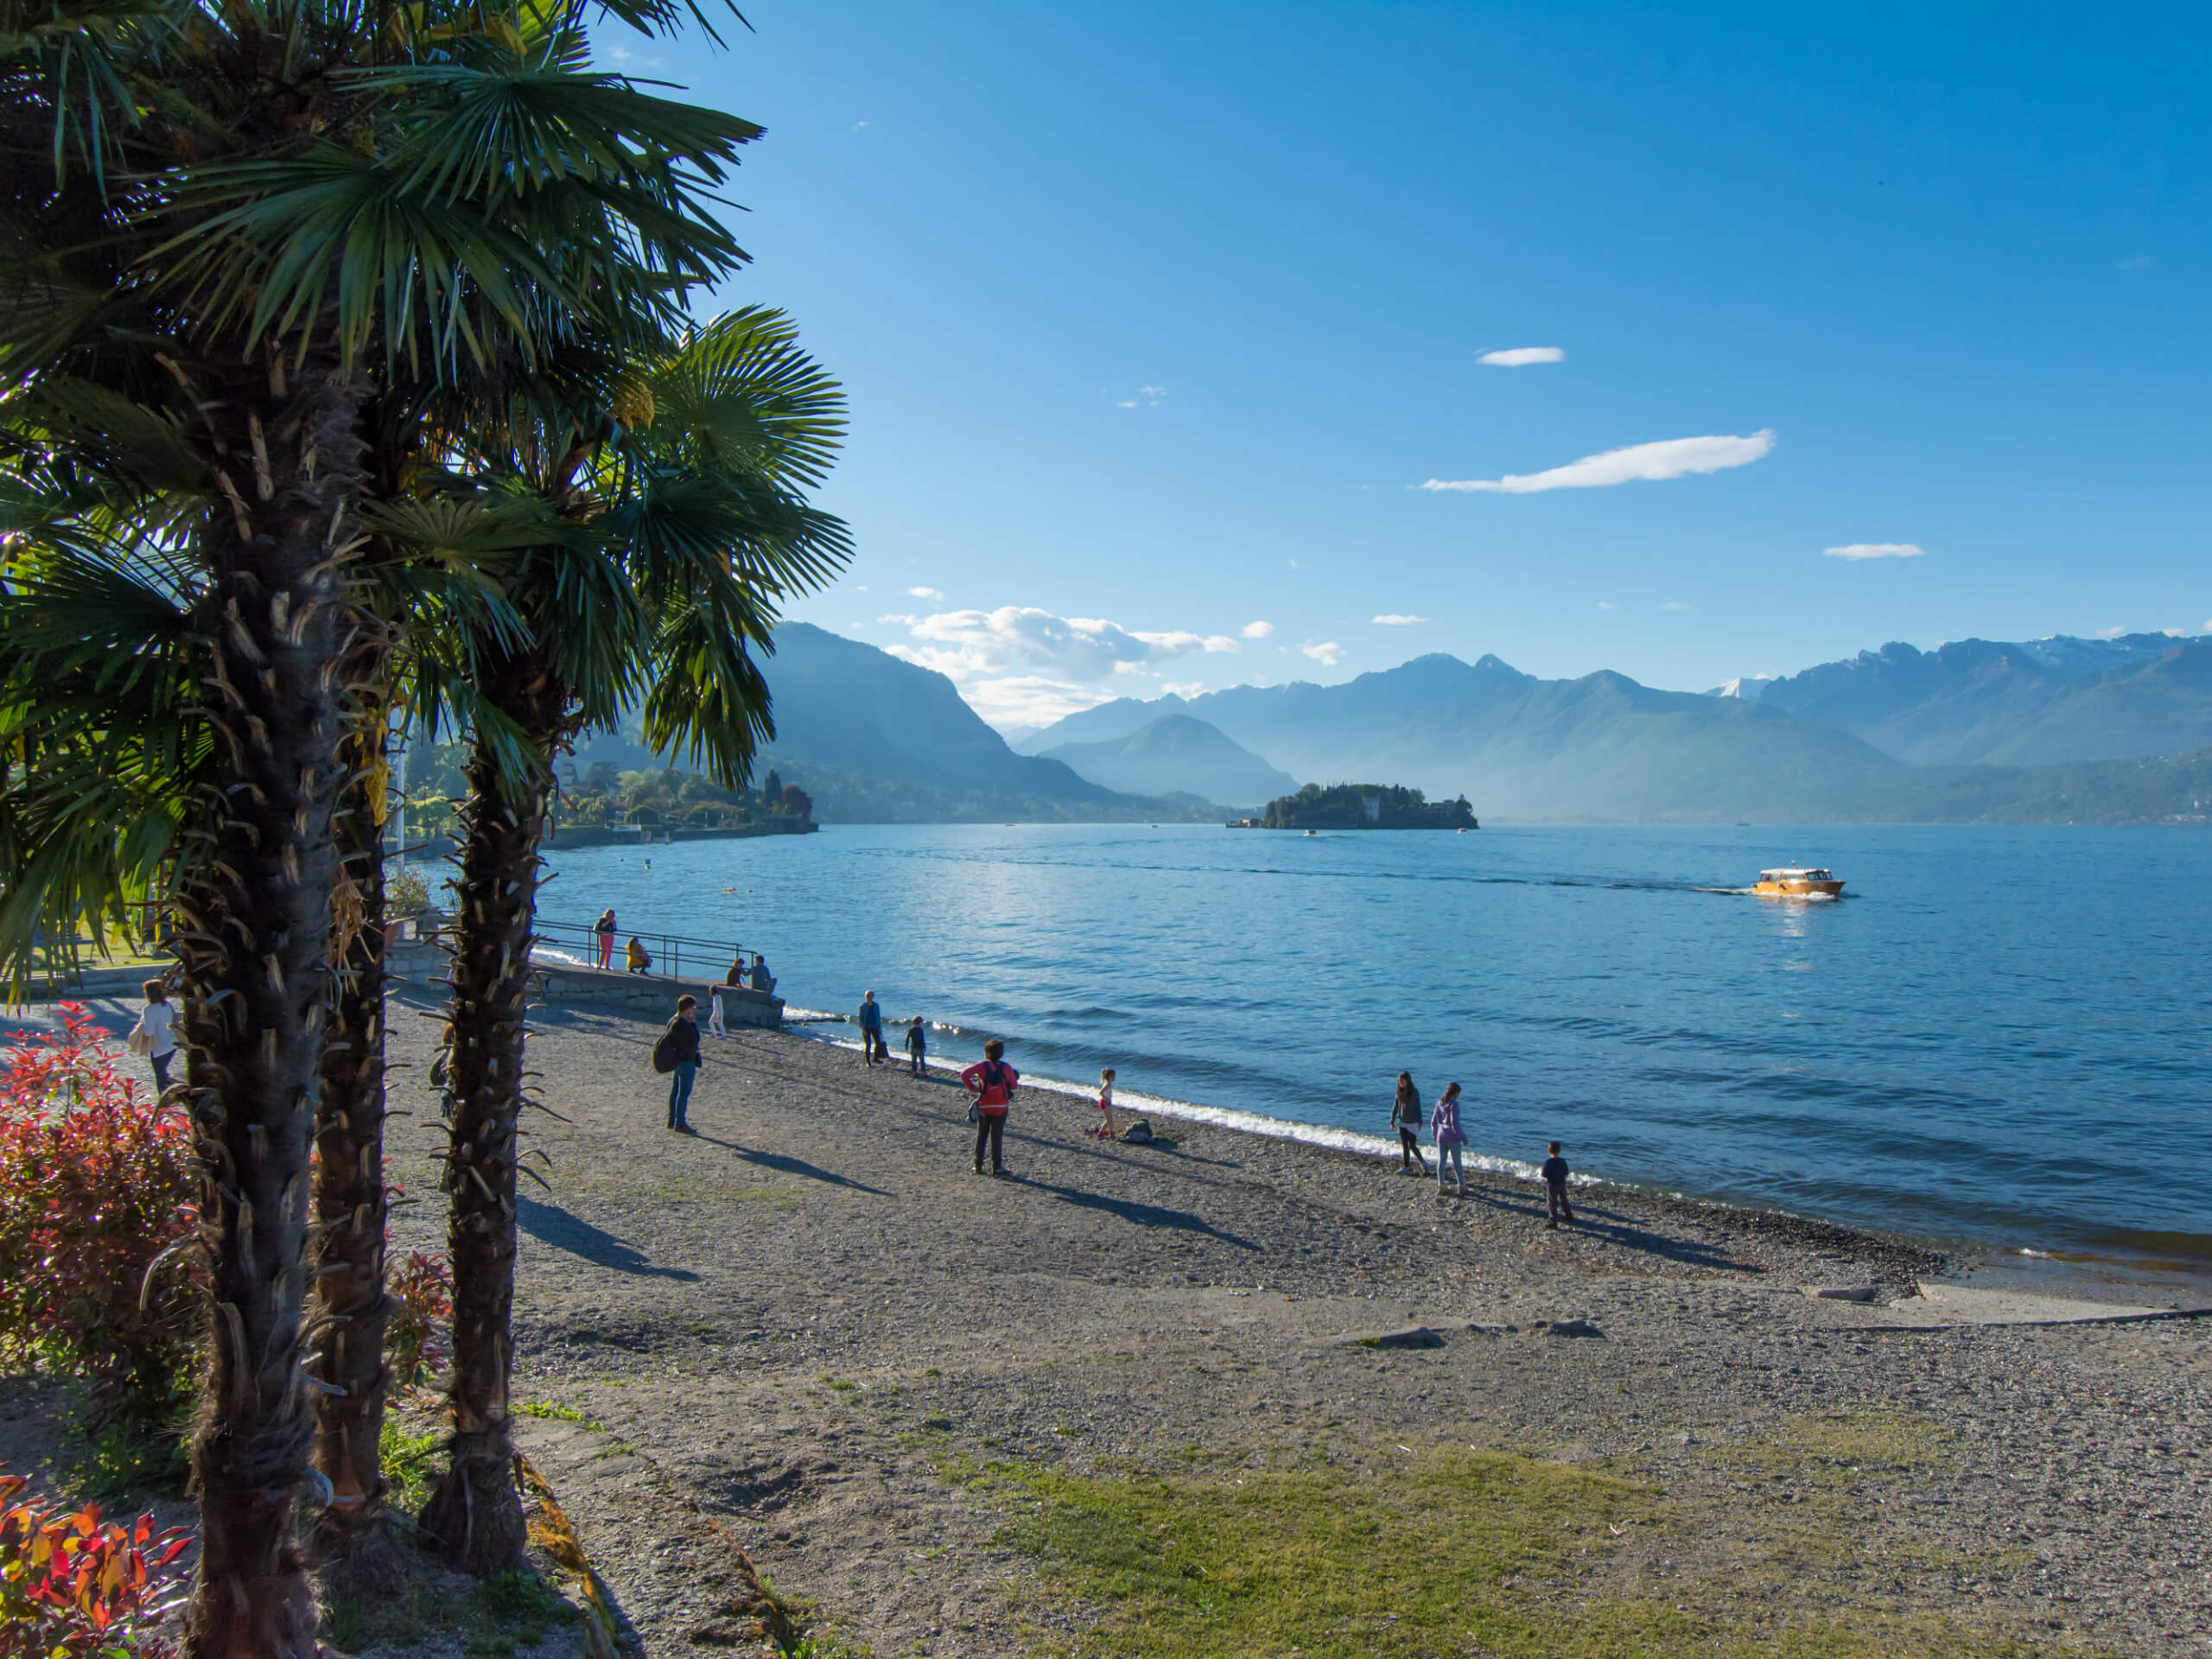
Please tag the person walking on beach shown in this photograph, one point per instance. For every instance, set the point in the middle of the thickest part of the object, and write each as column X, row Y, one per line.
column 917, row 1046
column 677, row 1052
column 991, row 1084
column 1444, row 1130
column 1106, row 1131
column 870, row 1020
column 715, row 1012
column 604, row 927
column 153, row 1035
column 1405, row 1118
column 1556, row 1171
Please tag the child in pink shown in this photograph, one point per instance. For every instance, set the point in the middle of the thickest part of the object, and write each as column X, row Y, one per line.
column 1105, row 1131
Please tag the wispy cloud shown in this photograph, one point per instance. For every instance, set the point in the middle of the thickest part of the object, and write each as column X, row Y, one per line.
column 1608, row 605
column 924, row 592
column 1256, row 629
column 903, row 621
column 2110, row 634
column 1674, row 605
column 1669, row 458
column 1875, row 550
column 1393, row 619
column 1147, row 396
column 1182, row 688
column 2135, row 264
column 1521, row 356
column 1327, row 653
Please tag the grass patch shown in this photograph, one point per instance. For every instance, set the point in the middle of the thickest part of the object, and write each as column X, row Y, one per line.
column 1384, row 1556
column 558, row 1413
column 409, row 1463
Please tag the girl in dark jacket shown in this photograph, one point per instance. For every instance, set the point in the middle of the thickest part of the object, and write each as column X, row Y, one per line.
column 1408, row 1118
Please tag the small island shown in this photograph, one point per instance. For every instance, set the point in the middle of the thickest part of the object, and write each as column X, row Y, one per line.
column 1366, row 806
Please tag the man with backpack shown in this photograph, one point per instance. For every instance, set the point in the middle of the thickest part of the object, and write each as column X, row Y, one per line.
column 991, row 1084
column 677, row 1052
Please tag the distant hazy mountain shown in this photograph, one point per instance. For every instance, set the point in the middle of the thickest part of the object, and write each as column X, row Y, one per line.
column 1174, row 753
column 2038, row 702
column 894, row 733
column 1601, row 746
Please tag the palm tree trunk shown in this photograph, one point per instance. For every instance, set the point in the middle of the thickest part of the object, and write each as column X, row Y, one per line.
column 350, row 1195
column 281, row 448
column 476, row 1513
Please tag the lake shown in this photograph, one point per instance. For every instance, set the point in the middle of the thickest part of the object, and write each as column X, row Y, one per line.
column 1999, row 1038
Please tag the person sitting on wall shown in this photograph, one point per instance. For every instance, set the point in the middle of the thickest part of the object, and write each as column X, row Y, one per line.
column 736, row 975
column 762, row 979
column 638, row 957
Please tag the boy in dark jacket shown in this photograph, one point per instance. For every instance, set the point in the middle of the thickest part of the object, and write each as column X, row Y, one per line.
column 683, row 1040
column 917, row 1047
column 1554, row 1171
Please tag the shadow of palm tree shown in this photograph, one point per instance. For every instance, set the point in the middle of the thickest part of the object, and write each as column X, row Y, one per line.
column 552, row 1225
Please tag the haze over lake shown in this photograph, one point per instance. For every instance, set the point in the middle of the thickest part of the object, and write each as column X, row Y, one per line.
column 1997, row 1038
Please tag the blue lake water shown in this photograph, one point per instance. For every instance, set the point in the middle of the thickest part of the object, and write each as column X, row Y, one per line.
column 1999, row 1038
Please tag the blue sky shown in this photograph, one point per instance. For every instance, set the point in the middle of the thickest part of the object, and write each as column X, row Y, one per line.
column 1155, row 318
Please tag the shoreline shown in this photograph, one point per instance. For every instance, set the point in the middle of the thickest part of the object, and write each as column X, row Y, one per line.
column 2070, row 1276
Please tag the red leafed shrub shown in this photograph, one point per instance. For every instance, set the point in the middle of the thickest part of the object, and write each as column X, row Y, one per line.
column 798, row 802
column 95, row 1185
column 70, row 1585
column 422, row 1286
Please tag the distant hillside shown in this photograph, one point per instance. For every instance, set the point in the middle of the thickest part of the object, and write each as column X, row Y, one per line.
column 1599, row 747
column 2040, row 703
column 2165, row 789
column 1175, row 754
column 873, row 739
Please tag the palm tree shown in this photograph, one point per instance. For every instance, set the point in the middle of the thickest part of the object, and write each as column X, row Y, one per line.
column 681, row 526
column 306, row 198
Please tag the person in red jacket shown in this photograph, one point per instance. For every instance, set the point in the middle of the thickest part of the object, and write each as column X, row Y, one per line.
column 991, row 1084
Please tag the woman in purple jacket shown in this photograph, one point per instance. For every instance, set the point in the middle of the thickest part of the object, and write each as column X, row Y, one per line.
column 1444, row 1130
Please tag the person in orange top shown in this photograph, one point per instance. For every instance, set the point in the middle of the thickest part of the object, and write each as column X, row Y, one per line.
column 993, row 1084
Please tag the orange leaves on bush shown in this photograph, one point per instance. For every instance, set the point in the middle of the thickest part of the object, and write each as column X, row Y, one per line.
column 71, row 1584
column 422, row 1286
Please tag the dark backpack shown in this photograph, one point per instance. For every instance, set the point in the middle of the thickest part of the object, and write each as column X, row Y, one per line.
column 664, row 1051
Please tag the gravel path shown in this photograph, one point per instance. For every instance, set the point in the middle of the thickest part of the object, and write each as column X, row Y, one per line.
column 774, row 1334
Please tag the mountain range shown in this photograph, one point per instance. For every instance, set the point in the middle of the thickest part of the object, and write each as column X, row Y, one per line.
column 2052, row 730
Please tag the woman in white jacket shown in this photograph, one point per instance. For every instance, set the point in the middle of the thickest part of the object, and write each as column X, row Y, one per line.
column 155, row 1036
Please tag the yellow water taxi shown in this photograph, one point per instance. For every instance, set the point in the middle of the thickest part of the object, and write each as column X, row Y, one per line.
column 1797, row 883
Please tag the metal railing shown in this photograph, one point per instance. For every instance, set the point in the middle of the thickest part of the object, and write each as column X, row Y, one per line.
column 710, row 958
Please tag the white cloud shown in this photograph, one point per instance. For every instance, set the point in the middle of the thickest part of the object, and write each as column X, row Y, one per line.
column 1149, row 396
column 1394, row 620
column 1669, row 458
column 2110, row 634
column 1608, row 605
column 1182, row 688
column 2136, row 263
column 1256, row 629
column 1875, row 550
column 1022, row 664
column 1328, row 652
column 857, row 126
column 1127, row 402
column 1674, row 605
column 924, row 592
column 903, row 621
column 1521, row 356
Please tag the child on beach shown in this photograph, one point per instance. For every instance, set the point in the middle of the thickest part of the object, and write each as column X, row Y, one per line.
column 1405, row 1118
column 1105, row 1131
column 1554, row 1171
column 715, row 1012
column 1444, row 1130
column 917, row 1047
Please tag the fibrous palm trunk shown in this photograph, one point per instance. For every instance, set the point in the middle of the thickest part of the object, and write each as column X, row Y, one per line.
column 476, row 1512
column 350, row 1195
column 279, row 441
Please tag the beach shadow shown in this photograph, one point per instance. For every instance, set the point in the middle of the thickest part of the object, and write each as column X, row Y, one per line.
column 1612, row 1229
column 784, row 1165
column 552, row 1225
column 1142, row 1214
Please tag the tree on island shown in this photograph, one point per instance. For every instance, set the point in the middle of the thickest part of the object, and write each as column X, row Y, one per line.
column 1366, row 806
